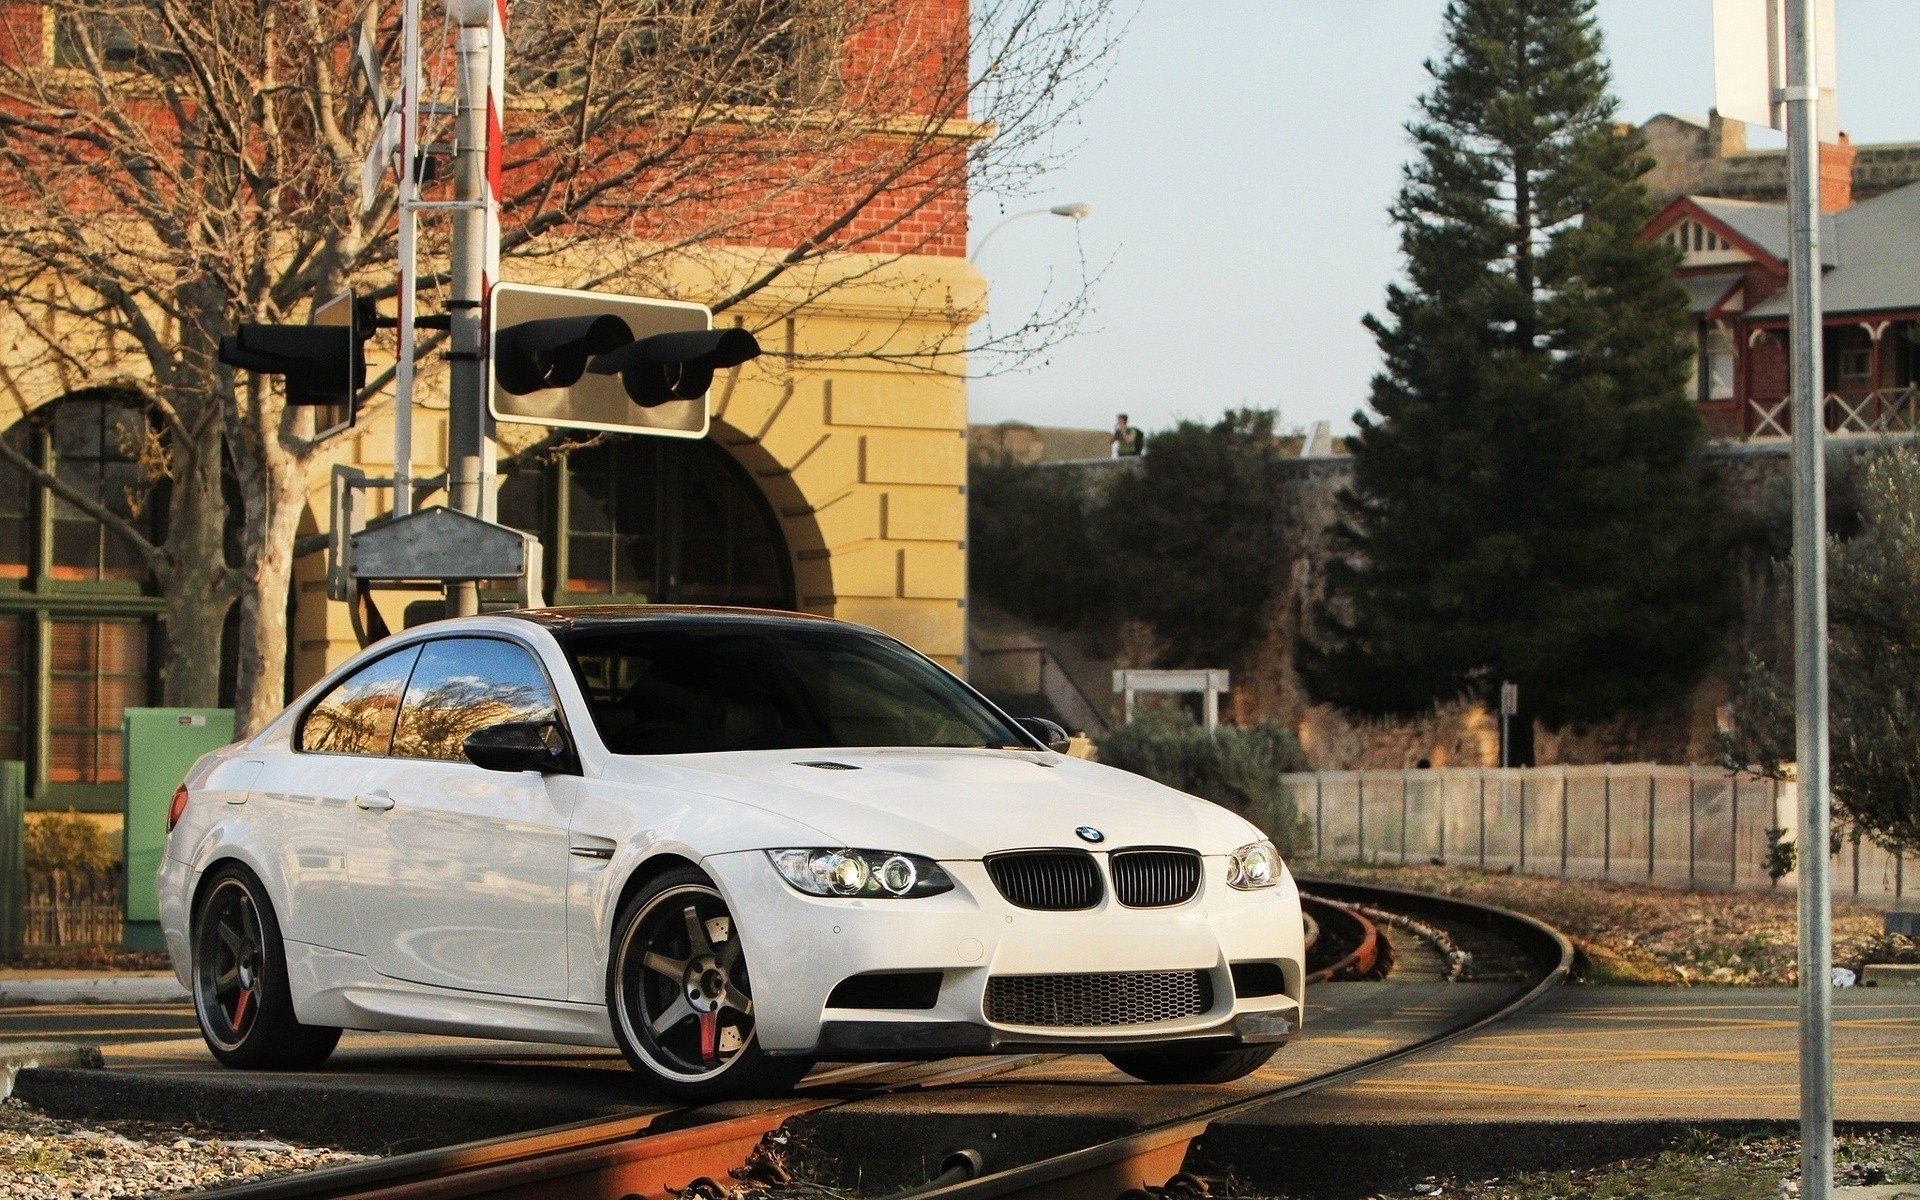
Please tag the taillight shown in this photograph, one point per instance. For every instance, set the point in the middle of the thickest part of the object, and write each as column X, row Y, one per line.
column 178, row 806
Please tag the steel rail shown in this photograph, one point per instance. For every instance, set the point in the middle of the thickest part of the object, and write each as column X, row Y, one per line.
column 637, row 1155
column 669, row 1133
column 1154, row 1154
column 1358, row 962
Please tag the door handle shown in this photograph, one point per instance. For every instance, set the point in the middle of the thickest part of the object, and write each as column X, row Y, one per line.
column 373, row 801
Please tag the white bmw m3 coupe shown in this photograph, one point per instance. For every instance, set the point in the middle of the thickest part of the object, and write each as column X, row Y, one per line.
column 730, row 843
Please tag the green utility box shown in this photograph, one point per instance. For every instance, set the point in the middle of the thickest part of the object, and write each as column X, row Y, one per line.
column 162, row 745
column 13, row 858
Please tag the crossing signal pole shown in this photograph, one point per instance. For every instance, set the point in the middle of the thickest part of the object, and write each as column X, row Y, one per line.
column 548, row 357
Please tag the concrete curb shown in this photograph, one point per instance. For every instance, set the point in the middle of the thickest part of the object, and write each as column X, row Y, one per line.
column 104, row 989
column 16, row 1057
column 1891, row 975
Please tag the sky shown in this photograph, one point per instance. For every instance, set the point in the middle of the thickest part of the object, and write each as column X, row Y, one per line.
column 1239, row 163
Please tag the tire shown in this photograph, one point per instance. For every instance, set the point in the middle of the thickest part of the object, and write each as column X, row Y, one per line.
column 680, row 999
column 239, row 974
column 1192, row 1066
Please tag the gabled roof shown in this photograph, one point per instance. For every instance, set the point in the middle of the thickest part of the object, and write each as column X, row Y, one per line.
column 1764, row 225
column 1874, row 251
column 1705, row 292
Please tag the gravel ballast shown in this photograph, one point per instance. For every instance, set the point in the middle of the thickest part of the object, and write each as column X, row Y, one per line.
column 44, row 1157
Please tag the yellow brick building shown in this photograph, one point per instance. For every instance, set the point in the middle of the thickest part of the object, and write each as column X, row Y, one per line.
column 842, row 473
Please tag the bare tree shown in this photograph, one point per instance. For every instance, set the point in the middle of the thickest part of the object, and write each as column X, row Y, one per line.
column 169, row 170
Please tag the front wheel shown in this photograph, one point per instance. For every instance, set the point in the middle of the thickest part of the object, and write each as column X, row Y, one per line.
column 680, row 997
column 1192, row 1066
column 240, row 992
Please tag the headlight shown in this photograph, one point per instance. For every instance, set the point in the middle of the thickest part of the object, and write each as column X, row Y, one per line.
column 1254, row 866
column 869, row 874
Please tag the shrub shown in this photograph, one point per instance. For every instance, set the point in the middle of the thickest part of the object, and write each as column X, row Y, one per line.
column 68, row 842
column 1237, row 768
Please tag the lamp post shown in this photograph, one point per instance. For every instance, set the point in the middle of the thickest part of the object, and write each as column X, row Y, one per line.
column 1072, row 212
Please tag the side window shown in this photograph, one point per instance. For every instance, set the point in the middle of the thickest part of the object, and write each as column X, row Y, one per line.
column 464, row 684
column 356, row 717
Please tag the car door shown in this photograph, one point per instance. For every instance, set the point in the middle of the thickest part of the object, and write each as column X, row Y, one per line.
column 306, row 797
column 458, row 874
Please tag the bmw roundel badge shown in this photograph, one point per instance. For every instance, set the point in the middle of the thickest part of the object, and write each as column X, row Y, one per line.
column 1088, row 833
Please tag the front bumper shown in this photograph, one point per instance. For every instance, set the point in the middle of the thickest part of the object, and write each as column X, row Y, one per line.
column 799, row 948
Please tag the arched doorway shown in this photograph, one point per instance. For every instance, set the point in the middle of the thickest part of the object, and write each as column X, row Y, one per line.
column 649, row 520
column 79, row 613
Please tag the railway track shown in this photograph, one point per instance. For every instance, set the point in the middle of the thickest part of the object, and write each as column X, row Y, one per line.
column 692, row 1153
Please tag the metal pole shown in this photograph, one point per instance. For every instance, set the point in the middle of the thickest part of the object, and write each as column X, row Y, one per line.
column 1360, row 824
column 1565, row 813
column 409, row 258
column 1693, row 828
column 1652, row 785
column 1319, row 815
column 1523, row 824
column 1809, row 604
column 470, row 456
column 1606, row 825
column 1405, row 807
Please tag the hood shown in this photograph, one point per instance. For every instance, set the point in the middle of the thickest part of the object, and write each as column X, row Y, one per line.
column 950, row 804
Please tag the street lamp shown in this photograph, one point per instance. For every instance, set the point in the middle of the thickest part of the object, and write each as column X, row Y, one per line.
column 1074, row 212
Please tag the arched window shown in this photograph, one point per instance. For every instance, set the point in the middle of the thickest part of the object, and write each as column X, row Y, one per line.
column 77, row 604
column 650, row 520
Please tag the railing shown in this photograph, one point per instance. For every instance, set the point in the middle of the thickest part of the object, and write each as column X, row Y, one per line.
column 1034, row 671
column 1678, row 826
column 1882, row 411
column 65, row 909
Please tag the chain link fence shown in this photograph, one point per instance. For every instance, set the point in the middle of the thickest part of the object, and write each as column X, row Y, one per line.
column 1694, row 827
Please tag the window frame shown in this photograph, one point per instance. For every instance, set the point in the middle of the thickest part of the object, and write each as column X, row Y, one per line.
column 554, row 483
column 354, row 666
column 853, row 633
column 533, row 656
column 39, row 598
column 297, row 742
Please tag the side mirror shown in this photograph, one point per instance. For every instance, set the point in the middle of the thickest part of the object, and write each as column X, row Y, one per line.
column 1050, row 734
column 519, row 746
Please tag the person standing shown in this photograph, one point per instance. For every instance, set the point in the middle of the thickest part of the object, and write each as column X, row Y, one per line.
column 1128, row 442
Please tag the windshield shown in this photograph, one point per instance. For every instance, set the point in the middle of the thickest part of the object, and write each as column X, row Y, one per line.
column 691, row 690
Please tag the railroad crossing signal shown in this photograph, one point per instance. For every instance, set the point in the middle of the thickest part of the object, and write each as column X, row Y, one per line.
column 324, row 362
column 586, row 360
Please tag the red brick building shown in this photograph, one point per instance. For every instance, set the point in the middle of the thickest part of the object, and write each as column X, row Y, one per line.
column 1734, row 268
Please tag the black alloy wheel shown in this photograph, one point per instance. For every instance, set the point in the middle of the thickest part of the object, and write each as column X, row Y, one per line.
column 681, row 999
column 240, row 992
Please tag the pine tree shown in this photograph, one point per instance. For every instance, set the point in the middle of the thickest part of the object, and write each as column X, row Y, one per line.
column 1529, row 504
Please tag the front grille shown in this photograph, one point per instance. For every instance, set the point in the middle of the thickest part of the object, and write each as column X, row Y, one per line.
column 1050, row 879
column 1155, row 878
column 1090, row 1000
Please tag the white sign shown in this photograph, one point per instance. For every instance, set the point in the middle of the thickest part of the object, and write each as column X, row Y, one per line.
column 387, row 141
column 385, row 144
column 1750, row 63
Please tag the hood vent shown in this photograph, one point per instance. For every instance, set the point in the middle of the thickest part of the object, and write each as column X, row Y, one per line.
column 1053, row 880
column 828, row 765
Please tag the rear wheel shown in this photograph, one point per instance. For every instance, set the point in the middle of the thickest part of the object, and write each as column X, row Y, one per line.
column 1192, row 1066
column 240, row 992
column 681, row 999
